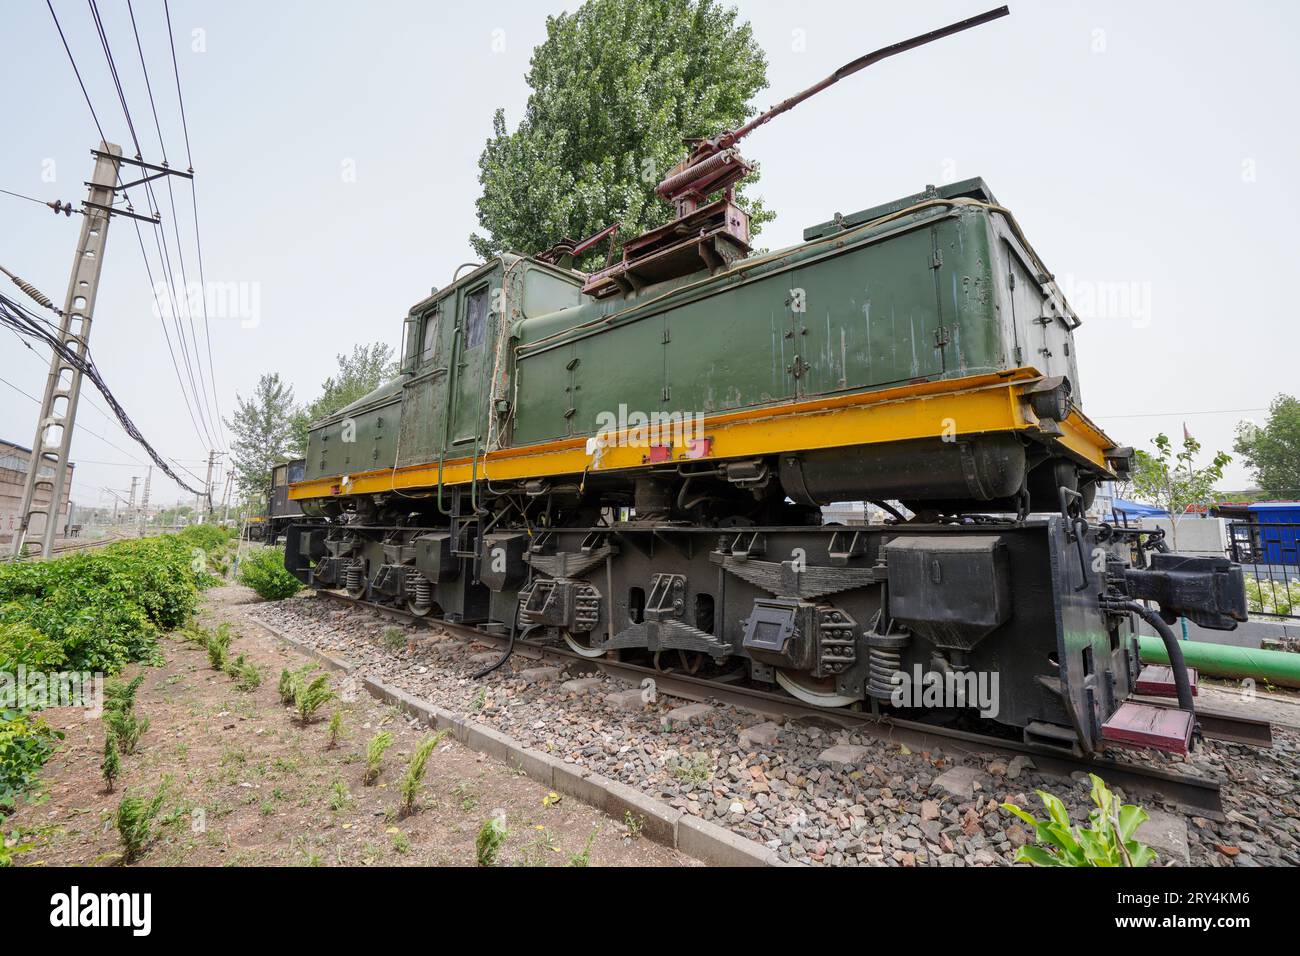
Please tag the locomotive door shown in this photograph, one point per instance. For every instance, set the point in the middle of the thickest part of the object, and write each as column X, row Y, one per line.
column 470, row 370
column 1042, row 334
column 870, row 317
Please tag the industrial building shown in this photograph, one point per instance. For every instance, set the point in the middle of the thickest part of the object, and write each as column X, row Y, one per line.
column 14, row 460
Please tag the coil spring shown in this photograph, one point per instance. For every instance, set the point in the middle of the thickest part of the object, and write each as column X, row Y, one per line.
column 884, row 660
column 352, row 578
column 423, row 592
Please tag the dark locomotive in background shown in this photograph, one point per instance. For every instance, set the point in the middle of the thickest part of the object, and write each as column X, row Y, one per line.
column 281, row 510
column 917, row 354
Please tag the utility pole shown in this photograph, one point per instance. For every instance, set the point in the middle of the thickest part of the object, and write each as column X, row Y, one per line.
column 131, row 511
column 230, row 480
column 58, row 415
column 207, row 484
column 144, row 504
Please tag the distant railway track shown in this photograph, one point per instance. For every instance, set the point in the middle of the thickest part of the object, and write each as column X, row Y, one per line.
column 70, row 546
column 1201, row 795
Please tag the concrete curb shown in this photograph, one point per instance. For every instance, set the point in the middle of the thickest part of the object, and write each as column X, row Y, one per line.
column 707, row 842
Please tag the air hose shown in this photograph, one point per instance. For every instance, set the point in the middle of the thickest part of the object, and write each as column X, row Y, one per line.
column 1172, row 648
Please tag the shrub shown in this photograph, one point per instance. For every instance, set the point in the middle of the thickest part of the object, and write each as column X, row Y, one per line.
column 309, row 698
column 409, row 787
column 111, row 767
column 217, row 644
column 134, row 820
column 487, row 845
column 375, row 751
column 247, row 677
column 334, row 729
column 104, row 609
column 25, row 744
column 262, row 569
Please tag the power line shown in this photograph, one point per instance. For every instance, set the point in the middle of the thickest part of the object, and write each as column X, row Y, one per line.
column 1211, row 411
column 140, row 240
column 15, row 316
column 164, row 253
column 194, row 201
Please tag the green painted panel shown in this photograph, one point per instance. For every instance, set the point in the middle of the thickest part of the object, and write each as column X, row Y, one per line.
column 542, row 395
column 423, row 417
column 731, row 350
column 871, row 316
column 624, row 366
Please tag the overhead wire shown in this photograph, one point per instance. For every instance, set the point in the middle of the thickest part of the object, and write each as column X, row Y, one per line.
column 16, row 316
column 203, row 398
column 200, row 432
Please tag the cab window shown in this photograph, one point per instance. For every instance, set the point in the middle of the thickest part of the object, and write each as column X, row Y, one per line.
column 475, row 318
column 429, row 340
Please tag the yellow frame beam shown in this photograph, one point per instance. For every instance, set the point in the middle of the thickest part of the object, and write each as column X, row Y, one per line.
column 976, row 405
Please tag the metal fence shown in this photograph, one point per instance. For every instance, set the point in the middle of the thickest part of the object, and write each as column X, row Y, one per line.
column 1269, row 555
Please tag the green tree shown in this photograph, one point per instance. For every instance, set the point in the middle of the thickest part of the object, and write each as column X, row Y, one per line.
column 263, row 435
column 1273, row 452
column 1171, row 479
column 358, row 374
column 616, row 87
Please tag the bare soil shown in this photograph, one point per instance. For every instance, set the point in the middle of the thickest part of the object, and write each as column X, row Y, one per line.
column 249, row 785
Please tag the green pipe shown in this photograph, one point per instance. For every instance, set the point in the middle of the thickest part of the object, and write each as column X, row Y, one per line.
column 1280, row 668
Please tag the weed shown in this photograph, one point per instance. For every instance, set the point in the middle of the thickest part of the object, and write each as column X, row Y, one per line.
column 340, row 798
column 535, row 853
column 401, row 843
column 480, row 699
column 697, row 770
column 583, row 857
column 634, row 823
column 394, row 638
column 1106, row 841
column 375, row 751
column 469, row 799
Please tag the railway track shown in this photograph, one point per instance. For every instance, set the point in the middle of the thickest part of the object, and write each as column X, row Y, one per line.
column 73, row 545
column 1201, row 795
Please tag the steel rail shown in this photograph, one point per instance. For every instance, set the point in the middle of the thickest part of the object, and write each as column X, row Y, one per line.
column 1201, row 795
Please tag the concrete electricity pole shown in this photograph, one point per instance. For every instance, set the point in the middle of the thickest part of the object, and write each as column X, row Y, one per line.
column 58, row 415
column 207, row 484
column 144, row 504
column 131, row 511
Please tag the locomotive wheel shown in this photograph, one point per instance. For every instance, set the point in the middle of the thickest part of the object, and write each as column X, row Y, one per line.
column 810, row 690
column 413, row 608
column 581, row 646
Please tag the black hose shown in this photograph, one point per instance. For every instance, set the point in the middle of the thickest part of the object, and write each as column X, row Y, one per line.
column 510, row 649
column 1175, row 653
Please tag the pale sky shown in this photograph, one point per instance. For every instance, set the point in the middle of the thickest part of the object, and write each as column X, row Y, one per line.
column 1148, row 149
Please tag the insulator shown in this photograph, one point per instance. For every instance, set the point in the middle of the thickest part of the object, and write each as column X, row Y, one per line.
column 34, row 293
